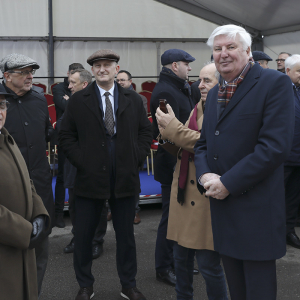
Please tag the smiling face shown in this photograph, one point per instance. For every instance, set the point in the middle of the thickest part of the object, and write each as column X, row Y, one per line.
column 207, row 80
column 2, row 113
column 229, row 56
column 20, row 84
column 105, row 72
column 122, row 79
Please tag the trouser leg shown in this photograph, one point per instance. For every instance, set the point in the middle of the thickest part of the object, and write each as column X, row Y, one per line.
column 41, row 256
column 137, row 201
column 72, row 208
column 87, row 213
column 59, row 186
column 123, row 212
column 101, row 228
column 164, row 248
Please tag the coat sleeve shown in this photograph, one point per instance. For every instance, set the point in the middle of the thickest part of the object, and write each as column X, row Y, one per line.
column 58, row 97
column 273, row 143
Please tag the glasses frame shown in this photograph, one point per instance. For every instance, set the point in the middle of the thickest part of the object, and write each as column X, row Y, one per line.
column 280, row 59
column 23, row 73
column 6, row 105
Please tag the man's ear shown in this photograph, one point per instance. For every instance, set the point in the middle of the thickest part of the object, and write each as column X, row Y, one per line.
column 6, row 75
column 174, row 66
column 288, row 71
column 85, row 84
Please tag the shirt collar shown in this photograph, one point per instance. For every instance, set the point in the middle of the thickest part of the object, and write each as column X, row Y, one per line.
column 102, row 91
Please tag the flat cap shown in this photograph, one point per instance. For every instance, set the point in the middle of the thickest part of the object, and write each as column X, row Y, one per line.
column 17, row 61
column 172, row 55
column 3, row 91
column 103, row 54
column 259, row 55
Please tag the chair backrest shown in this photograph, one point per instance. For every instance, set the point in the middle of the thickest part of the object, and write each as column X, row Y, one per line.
column 148, row 96
column 49, row 98
column 134, row 86
column 52, row 85
column 191, row 82
column 43, row 86
column 52, row 114
column 148, row 86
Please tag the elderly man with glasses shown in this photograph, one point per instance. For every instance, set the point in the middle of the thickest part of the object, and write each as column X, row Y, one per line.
column 28, row 123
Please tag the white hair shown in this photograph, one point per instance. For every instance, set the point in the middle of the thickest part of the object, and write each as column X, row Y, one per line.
column 231, row 31
column 291, row 61
column 216, row 74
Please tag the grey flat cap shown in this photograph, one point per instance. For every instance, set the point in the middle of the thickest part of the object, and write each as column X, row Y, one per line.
column 17, row 61
column 106, row 54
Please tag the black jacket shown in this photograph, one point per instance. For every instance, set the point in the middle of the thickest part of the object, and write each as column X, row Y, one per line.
column 172, row 89
column 59, row 91
column 196, row 95
column 28, row 123
column 84, row 141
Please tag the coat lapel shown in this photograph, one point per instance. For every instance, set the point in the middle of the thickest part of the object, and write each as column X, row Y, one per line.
column 246, row 85
column 124, row 101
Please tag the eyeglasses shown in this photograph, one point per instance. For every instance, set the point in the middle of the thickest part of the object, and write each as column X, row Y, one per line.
column 121, row 80
column 280, row 59
column 4, row 105
column 23, row 73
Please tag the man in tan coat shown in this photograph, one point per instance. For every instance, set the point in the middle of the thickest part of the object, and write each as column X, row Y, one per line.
column 189, row 217
column 23, row 219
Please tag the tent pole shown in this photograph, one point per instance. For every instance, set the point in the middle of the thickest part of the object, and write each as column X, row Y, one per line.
column 50, row 45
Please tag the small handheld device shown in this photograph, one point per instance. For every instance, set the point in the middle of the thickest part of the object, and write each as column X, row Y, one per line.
column 162, row 105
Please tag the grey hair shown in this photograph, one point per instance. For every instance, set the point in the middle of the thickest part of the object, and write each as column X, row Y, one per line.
column 217, row 74
column 84, row 75
column 291, row 61
column 289, row 54
column 231, row 31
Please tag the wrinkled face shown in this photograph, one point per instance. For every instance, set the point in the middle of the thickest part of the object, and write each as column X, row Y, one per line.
column 74, row 83
column 122, row 79
column 229, row 56
column 19, row 83
column 2, row 113
column 294, row 74
column 207, row 80
column 105, row 72
column 183, row 69
column 263, row 64
column 281, row 61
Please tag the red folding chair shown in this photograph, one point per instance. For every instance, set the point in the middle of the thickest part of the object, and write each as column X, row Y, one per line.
column 43, row 86
column 191, row 82
column 148, row 86
column 153, row 148
column 52, row 85
column 134, row 86
column 52, row 116
column 49, row 98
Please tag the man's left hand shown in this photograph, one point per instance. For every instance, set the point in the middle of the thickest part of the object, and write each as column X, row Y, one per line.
column 216, row 189
column 164, row 119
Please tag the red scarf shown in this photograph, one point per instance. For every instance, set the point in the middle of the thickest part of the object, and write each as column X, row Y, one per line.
column 186, row 157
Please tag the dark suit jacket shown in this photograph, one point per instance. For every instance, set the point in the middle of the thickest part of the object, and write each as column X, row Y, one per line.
column 247, row 147
column 85, row 143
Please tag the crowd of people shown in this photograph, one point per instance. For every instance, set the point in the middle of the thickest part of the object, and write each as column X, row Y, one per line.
column 228, row 162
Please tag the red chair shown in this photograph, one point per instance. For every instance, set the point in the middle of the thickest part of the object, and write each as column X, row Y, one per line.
column 191, row 82
column 148, row 86
column 49, row 98
column 52, row 116
column 153, row 147
column 52, row 85
column 43, row 86
column 148, row 96
column 134, row 86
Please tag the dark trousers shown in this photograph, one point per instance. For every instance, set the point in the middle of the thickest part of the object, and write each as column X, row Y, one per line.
column 164, row 248
column 102, row 226
column 292, row 196
column 88, row 213
column 59, row 186
column 250, row 280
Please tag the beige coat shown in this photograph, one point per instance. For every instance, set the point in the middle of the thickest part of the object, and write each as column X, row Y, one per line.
column 189, row 224
column 19, row 204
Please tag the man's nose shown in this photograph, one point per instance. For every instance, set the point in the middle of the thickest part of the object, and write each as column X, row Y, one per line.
column 200, row 86
column 224, row 52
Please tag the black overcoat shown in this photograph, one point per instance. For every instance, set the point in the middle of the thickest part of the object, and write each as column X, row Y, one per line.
column 247, row 147
column 28, row 123
column 84, row 141
column 172, row 89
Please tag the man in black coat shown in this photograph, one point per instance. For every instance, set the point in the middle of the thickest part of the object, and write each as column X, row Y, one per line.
column 28, row 123
column 106, row 134
column 61, row 94
column 173, row 87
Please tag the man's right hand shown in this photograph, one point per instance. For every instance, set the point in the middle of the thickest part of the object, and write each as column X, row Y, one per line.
column 207, row 177
column 66, row 97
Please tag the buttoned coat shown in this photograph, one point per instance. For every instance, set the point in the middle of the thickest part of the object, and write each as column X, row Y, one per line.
column 189, row 224
column 19, row 205
column 247, row 147
column 84, row 140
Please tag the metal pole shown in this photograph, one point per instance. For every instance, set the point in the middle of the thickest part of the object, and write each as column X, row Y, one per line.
column 50, row 45
column 158, row 53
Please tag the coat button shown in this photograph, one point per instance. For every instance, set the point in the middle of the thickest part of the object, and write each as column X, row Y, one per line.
column 217, row 132
column 20, row 101
column 104, row 168
column 190, row 159
column 26, row 123
column 179, row 157
column 215, row 157
column 193, row 203
column 30, row 146
column 103, row 144
column 192, row 181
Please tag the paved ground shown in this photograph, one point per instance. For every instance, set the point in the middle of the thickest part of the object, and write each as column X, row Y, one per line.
column 60, row 282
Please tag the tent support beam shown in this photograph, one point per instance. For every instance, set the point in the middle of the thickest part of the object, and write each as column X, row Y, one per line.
column 50, row 45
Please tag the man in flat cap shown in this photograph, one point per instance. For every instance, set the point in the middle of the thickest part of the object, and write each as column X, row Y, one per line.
column 28, row 123
column 262, row 58
column 106, row 135
column 173, row 87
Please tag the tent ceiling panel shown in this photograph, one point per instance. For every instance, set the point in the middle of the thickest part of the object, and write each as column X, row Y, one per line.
column 267, row 16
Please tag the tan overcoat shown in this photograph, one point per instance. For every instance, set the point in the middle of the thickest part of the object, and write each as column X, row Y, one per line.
column 189, row 224
column 19, row 204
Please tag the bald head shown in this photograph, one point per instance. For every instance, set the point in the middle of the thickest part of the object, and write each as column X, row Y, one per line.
column 209, row 77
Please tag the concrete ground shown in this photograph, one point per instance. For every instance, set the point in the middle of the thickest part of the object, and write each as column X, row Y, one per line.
column 60, row 283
